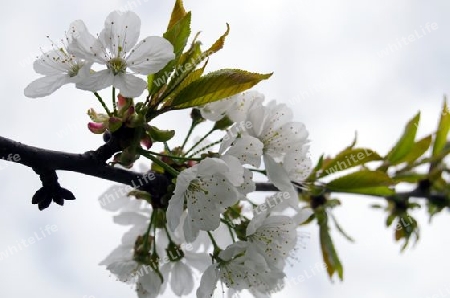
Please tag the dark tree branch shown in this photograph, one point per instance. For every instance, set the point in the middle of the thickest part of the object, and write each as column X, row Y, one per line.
column 92, row 163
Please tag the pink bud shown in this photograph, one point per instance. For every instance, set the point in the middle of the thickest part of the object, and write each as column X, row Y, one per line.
column 121, row 101
column 97, row 128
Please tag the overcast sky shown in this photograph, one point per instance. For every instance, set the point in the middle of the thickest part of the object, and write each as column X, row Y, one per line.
column 343, row 66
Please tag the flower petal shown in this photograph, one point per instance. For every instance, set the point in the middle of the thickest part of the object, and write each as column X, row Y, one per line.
column 83, row 44
column 97, row 81
column 150, row 55
column 46, row 85
column 129, row 85
column 52, row 63
column 181, row 280
column 121, row 32
column 248, row 150
column 208, row 282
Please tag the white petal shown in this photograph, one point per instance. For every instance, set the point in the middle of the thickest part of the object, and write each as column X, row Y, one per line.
column 235, row 173
column 243, row 103
column 51, row 63
column 150, row 55
column 46, row 85
column 83, row 44
column 123, row 269
column 151, row 282
column 190, row 230
column 211, row 166
column 208, row 282
column 174, row 211
column 248, row 150
column 121, row 32
column 129, row 85
column 97, row 81
column 277, row 174
column 249, row 185
column 199, row 261
column 121, row 253
column 114, row 198
column 181, row 280
column 217, row 110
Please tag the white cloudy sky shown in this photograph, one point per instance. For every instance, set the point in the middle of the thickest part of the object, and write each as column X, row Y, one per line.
column 326, row 60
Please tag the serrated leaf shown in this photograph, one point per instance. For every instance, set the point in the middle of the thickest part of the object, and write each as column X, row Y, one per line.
column 405, row 143
column 418, row 149
column 215, row 86
column 363, row 182
column 218, row 45
column 329, row 253
column 178, row 12
column 347, row 159
column 190, row 60
column 442, row 130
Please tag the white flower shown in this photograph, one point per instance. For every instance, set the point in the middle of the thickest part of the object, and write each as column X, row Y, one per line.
column 59, row 67
column 273, row 237
column 273, row 126
column 239, row 270
column 208, row 189
column 235, row 107
column 114, row 48
column 180, row 260
column 298, row 164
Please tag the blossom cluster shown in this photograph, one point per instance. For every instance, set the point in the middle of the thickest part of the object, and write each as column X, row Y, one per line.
column 242, row 250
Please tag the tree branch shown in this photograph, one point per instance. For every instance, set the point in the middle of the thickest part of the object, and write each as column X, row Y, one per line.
column 92, row 163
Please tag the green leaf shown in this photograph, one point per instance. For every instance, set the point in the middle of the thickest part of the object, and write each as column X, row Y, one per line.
column 329, row 253
column 177, row 35
column 178, row 12
column 215, row 86
column 349, row 158
column 190, row 60
column 442, row 130
column 158, row 135
column 363, row 182
column 405, row 143
column 218, row 45
column 417, row 150
column 409, row 177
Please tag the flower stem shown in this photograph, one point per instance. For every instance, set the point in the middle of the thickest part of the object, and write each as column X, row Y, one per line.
column 114, row 100
column 191, row 129
column 205, row 147
column 100, row 99
column 201, row 140
column 152, row 217
column 174, row 156
column 160, row 163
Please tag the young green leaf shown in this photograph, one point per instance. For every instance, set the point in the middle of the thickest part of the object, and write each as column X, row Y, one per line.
column 363, row 182
column 329, row 253
column 405, row 143
column 215, row 86
column 417, row 150
column 349, row 158
column 442, row 130
column 178, row 13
